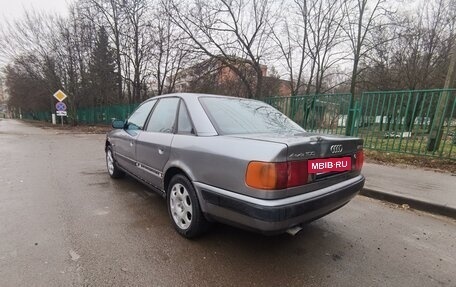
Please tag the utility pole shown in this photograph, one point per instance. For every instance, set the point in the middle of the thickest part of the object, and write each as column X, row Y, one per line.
column 437, row 124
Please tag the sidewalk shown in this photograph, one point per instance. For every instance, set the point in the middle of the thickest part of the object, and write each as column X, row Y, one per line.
column 421, row 189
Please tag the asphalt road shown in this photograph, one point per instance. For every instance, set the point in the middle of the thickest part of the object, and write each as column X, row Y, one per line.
column 64, row 222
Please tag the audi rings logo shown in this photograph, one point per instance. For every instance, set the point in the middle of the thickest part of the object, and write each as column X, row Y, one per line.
column 337, row 148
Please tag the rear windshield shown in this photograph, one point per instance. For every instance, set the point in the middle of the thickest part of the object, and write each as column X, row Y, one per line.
column 243, row 116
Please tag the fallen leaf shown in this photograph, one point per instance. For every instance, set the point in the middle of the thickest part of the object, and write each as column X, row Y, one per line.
column 74, row 255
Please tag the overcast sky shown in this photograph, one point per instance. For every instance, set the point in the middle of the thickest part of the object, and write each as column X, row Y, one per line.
column 11, row 9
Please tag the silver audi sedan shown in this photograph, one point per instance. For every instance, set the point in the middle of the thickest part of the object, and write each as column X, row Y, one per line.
column 233, row 160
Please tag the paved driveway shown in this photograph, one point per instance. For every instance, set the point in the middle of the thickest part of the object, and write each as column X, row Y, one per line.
column 64, row 222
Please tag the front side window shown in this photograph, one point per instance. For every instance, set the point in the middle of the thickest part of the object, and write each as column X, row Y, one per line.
column 139, row 117
column 244, row 116
column 164, row 116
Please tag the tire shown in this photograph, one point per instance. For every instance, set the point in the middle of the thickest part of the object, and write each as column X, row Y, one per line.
column 184, row 209
column 113, row 170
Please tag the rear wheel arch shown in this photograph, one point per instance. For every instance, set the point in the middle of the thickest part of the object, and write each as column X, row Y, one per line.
column 183, row 206
column 170, row 173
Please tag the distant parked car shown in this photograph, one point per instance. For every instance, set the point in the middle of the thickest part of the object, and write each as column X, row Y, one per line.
column 233, row 160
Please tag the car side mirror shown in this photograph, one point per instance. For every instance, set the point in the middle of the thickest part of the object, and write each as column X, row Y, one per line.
column 118, row 124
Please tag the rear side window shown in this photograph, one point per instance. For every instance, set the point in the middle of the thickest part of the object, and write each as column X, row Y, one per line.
column 244, row 116
column 164, row 116
column 184, row 125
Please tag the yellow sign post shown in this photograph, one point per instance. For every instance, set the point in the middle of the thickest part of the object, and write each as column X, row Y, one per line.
column 60, row 96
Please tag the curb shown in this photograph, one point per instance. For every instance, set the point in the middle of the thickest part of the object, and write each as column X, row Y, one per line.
column 412, row 202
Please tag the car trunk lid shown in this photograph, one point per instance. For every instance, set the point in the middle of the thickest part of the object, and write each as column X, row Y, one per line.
column 328, row 156
column 310, row 145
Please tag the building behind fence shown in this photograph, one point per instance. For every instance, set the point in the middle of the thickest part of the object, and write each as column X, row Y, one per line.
column 398, row 121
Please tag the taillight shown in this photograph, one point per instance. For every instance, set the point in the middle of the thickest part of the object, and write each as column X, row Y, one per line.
column 297, row 173
column 359, row 160
column 266, row 175
column 276, row 175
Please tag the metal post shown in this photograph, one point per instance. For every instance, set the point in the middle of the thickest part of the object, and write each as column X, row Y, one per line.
column 350, row 116
column 437, row 131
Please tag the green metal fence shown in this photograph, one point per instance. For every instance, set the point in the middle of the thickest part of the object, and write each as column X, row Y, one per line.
column 409, row 122
column 91, row 116
column 325, row 113
column 104, row 114
column 38, row 116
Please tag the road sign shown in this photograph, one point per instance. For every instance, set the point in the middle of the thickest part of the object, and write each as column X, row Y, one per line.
column 60, row 96
column 60, row 106
column 62, row 113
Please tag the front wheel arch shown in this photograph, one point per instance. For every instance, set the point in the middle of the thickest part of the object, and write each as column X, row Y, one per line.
column 113, row 169
column 107, row 144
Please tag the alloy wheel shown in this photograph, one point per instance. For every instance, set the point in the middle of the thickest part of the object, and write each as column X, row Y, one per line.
column 181, row 206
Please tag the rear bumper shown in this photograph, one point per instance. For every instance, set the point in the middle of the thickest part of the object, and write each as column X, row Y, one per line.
column 275, row 216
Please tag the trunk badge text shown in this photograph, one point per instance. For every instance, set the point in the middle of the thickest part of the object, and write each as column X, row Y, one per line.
column 337, row 148
column 298, row 155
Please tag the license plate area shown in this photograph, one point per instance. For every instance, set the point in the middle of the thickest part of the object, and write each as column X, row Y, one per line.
column 325, row 165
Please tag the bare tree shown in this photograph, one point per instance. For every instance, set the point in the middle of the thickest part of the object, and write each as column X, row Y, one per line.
column 423, row 48
column 325, row 25
column 28, row 43
column 20, row 81
column 309, row 40
column 363, row 16
column 291, row 38
column 102, row 82
column 72, row 46
column 235, row 32
column 417, row 52
column 138, row 43
column 112, row 17
column 169, row 50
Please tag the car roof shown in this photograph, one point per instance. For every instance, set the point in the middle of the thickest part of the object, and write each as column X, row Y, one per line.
column 191, row 95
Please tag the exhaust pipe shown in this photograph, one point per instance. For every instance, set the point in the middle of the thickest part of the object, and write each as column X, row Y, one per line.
column 294, row 230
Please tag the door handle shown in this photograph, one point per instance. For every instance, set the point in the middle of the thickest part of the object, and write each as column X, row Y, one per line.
column 131, row 144
column 161, row 151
